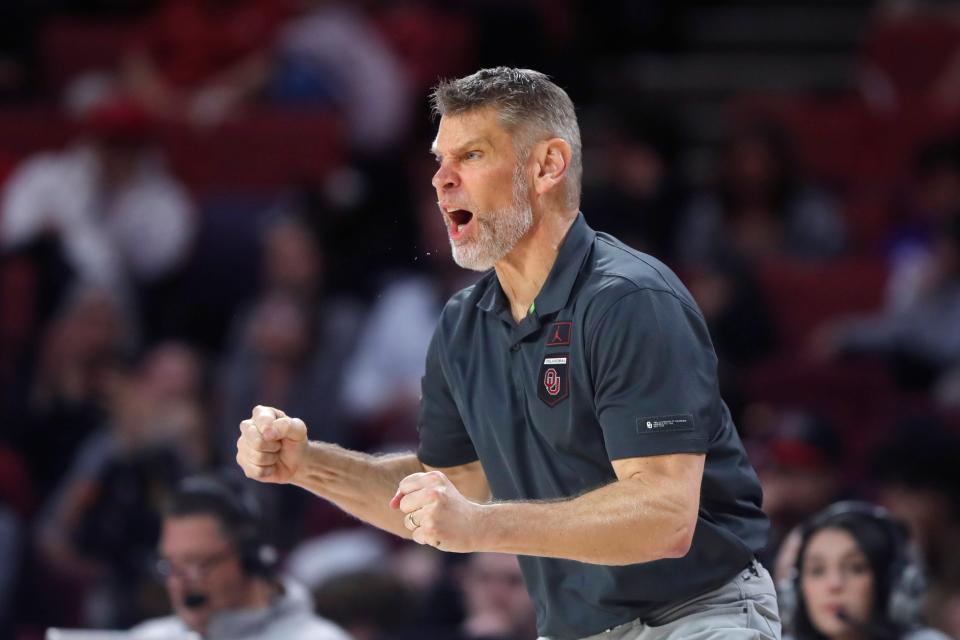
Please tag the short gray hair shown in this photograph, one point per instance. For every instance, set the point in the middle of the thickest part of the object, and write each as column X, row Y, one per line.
column 529, row 105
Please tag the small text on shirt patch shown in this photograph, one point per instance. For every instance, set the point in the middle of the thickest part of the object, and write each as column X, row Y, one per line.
column 661, row 424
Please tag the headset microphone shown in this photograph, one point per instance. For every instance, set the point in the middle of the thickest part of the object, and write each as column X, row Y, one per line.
column 873, row 630
column 195, row 600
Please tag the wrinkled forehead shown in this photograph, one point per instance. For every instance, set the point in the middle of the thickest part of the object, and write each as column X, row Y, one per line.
column 477, row 126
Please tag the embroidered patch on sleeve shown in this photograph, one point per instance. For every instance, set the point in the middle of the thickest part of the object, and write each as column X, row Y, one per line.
column 665, row 424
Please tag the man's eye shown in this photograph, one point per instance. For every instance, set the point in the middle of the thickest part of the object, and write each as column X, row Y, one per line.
column 471, row 155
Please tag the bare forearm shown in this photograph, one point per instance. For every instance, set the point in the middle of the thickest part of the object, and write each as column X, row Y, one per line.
column 620, row 523
column 359, row 483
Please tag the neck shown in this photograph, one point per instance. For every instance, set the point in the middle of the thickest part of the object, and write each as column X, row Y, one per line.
column 524, row 270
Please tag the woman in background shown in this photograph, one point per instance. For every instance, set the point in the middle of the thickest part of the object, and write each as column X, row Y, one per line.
column 855, row 578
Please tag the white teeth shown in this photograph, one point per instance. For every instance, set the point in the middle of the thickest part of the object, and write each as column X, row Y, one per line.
column 460, row 227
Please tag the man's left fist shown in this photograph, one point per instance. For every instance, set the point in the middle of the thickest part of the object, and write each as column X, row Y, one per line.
column 437, row 513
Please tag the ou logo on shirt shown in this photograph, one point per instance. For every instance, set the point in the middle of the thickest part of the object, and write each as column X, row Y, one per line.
column 551, row 380
column 554, row 379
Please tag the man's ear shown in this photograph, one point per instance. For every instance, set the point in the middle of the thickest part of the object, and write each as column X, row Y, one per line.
column 553, row 158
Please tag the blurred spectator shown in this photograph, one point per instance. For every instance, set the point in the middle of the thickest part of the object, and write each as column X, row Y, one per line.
column 855, row 579
column 61, row 399
column 382, row 379
column 220, row 572
column 796, row 456
column 203, row 59
column 100, row 525
column 917, row 478
column 433, row 580
column 374, row 604
column 369, row 604
column 333, row 55
column 362, row 585
column 760, row 207
column 363, row 215
column 288, row 357
column 317, row 560
column 632, row 189
column 293, row 262
column 934, row 195
column 496, row 602
column 920, row 340
column 289, row 346
column 100, row 199
column 741, row 323
column 292, row 357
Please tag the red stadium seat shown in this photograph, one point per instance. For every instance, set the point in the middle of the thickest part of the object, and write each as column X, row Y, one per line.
column 869, row 218
column 840, row 141
column 857, row 397
column 802, row 296
column 846, row 143
column 266, row 150
column 911, row 52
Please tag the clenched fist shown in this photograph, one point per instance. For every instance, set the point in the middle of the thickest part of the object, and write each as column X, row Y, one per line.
column 271, row 446
column 437, row 513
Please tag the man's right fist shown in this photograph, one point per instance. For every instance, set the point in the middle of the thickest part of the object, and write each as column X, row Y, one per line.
column 271, row 446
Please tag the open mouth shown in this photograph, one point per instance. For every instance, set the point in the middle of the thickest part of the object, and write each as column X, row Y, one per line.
column 458, row 221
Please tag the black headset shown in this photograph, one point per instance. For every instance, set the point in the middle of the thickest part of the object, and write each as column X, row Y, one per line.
column 239, row 512
column 907, row 579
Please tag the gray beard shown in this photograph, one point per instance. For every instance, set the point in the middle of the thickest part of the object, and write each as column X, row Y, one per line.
column 497, row 232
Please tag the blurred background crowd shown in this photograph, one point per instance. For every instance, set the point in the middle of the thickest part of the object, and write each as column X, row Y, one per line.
column 212, row 204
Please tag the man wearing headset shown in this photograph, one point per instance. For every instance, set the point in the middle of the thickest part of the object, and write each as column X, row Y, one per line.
column 854, row 578
column 220, row 574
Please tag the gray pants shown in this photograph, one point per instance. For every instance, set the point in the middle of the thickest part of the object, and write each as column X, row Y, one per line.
column 745, row 607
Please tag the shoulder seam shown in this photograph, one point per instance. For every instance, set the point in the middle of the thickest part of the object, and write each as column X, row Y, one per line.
column 639, row 287
column 635, row 256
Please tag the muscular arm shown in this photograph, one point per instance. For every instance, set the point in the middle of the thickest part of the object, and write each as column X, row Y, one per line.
column 363, row 485
column 648, row 513
column 273, row 447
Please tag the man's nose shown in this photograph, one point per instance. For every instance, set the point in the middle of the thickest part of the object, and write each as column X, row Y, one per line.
column 444, row 179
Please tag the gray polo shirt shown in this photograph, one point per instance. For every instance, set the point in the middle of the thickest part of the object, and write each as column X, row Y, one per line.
column 615, row 361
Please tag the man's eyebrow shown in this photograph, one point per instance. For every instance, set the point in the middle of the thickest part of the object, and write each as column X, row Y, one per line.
column 466, row 145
